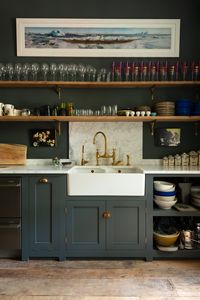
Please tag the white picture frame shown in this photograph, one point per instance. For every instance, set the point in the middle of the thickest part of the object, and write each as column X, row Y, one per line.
column 98, row 37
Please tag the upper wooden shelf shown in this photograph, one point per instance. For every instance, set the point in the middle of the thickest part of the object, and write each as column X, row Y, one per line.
column 85, row 84
column 99, row 119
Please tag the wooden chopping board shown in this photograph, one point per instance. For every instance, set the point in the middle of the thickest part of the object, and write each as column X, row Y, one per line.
column 13, row 154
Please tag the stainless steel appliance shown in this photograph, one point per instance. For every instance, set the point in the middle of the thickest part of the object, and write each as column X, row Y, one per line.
column 10, row 216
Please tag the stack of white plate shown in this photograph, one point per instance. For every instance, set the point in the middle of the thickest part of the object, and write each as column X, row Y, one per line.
column 195, row 194
column 165, row 108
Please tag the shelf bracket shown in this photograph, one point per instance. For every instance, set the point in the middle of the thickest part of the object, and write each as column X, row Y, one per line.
column 58, row 91
column 152, row 90
column 152, row 127
column 196, row 127
column 58, row 127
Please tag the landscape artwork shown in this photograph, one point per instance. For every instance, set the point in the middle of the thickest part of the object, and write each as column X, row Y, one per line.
column 170, row 137
column 85, row 37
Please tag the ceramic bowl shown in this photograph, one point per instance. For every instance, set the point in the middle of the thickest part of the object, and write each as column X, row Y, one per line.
column 165, row 239
column 165, row 194
column 164, row 186
column 164, row 198
column 165, row 204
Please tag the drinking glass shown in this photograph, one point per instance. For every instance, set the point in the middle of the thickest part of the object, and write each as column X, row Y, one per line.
column 34, row 71
column 53, row 71
column 114, row 110
column 66, row 72
column 102, row 75
column 44, row 70
column 81, row 71
column 10, row 70
column 90, row 72
column 74, row 70
column 61, row 71
column 25, row 71
column 18, row 70
column 2, row 72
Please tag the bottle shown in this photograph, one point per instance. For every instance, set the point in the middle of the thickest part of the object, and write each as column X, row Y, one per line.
column 70, row 109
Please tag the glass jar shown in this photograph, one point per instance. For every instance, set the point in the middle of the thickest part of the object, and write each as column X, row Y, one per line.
column 177, row 160
column 197, row 235
column 171, row 161
column 185, row 160
column 165, row 161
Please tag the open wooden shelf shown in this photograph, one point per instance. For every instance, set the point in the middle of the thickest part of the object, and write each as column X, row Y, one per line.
column 85, row 84
column 98, row 119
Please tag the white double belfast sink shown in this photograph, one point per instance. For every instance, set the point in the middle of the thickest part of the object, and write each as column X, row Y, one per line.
column 106, row 181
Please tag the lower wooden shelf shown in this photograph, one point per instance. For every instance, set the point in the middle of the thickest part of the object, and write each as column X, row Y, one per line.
column 99, row 119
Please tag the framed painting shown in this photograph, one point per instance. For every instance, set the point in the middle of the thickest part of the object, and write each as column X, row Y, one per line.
column 98, row 37
column 43, row 137
column 170, row 137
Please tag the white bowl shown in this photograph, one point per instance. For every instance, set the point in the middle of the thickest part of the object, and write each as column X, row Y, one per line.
column 195, row 189
column 165, row 205
column 165, row 198
column 164, row 186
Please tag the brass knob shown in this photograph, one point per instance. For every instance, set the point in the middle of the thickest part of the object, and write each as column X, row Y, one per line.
column 106, row 215
column 43, row 180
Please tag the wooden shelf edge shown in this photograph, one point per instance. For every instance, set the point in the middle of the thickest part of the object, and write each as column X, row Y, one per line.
column 86, row 84
column 99, row 119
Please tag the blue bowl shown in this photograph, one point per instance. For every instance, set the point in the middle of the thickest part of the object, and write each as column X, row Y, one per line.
column 158, row 193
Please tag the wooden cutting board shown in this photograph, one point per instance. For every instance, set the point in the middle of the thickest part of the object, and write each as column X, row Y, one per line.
column 13, row 154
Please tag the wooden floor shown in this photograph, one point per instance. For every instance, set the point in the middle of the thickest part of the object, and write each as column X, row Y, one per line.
column 99, row 280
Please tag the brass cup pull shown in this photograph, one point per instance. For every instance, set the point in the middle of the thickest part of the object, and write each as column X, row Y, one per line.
column 106, row 215
column 43, row 180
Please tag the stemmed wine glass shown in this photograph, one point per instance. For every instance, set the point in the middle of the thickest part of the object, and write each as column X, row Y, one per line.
column 25, row 71
column 18, row 70
column 44, row 70
column 2, row 72
column 61, row 71
column 10, row 70
column 81, row 70
column 53, row 71
column 34, row 71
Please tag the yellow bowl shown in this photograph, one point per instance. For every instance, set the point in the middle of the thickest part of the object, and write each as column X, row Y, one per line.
column 165, row 239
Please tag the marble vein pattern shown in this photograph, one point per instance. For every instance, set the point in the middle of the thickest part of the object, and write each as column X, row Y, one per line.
column 126, row 138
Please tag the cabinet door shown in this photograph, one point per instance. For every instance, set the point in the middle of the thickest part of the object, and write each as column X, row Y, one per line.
column 126, row 224
column 46, row 194
column 85, row 225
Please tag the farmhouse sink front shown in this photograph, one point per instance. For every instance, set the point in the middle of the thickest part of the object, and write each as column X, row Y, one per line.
column 105, row 181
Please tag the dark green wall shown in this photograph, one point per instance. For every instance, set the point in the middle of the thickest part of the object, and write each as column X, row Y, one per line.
column 188, row 12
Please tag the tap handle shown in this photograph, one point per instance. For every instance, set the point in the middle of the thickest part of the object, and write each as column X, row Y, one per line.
column 128, row 160
column 114, row 155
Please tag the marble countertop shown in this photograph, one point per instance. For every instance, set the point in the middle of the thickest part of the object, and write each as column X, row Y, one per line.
column 46, row 167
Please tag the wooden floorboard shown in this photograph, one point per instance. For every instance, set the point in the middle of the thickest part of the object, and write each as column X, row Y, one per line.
column 99, row 280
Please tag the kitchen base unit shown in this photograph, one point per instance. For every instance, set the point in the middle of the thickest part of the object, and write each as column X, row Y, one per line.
column 105, row 226
column 43, row 226
column 182, row 220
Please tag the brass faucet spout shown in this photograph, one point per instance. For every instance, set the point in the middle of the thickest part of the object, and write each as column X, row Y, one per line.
column 105, row 142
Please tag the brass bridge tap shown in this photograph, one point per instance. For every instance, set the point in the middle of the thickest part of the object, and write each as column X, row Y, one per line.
column 105, row 154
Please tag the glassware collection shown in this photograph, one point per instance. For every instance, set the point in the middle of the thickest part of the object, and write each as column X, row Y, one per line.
column 118, row 71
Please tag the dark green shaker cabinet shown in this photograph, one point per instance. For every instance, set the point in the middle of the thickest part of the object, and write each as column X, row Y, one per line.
column 46, row 211
column 85, row 226
column 126, row 225
column 105, row 226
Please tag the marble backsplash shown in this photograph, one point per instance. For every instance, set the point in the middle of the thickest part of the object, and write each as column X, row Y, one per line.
column 126, row 138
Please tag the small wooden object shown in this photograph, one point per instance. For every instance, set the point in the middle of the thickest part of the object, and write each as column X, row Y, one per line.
column 13, row 154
